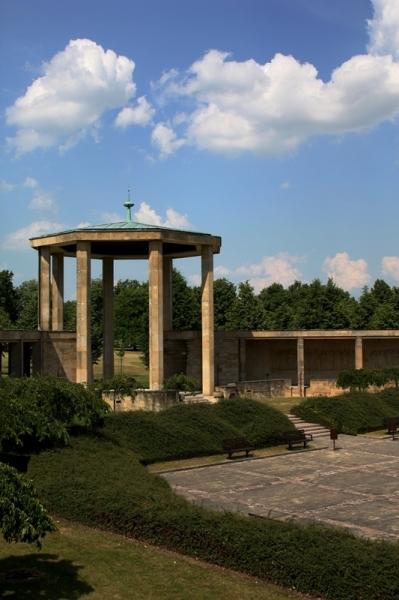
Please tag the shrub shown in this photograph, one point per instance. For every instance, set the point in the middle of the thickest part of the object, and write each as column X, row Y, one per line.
column 96, row 483
column 37, row 412
column 188, row 430
column 362, row 379
column 22, row 517
column 182, row 383
column 121, row 384
column 351, row 412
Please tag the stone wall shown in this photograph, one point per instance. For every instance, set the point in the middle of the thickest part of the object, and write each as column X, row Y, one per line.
column 141, row 400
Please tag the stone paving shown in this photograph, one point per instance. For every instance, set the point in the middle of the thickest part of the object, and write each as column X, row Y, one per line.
column 357, row 486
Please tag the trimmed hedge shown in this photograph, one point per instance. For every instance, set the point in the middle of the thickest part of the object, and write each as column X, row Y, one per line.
column 41, row 411
column 184, row 431
column 353, row 412
column 95, row 483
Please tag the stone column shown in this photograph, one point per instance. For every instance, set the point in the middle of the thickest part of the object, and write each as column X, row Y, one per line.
column 108, row 295
column 156, row 313
column 57, row 292
column 208, row 334
column 359, row 353
column 84, row 367
column 44, row 289
column 167, row 294
column 301, row 366
column 243, row 358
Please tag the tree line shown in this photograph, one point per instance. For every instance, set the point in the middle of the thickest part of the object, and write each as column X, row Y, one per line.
column 314, row 305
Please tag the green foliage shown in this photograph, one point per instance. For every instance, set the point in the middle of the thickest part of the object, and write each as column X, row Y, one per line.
column 181, row 382
column 260, row 424
column 184, row 431
column 41, row 411
column 8, row 297
column 246, row 312
column 22, row 517
column 121, row 384
column 225, row 296
column 351, row 412
column 27, row 304
column 103, row 485
column 362, row 379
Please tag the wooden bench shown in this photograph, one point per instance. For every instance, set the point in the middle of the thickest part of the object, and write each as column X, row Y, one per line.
column 392, row 424
column 296, row 438
column 237, row 445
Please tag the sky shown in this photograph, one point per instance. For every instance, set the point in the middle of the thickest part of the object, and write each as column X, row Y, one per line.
column 272, row 123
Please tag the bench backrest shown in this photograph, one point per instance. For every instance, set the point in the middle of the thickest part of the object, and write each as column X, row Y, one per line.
column 232, row 443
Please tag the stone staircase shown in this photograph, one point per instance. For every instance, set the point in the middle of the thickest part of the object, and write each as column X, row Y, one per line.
column 318, row 431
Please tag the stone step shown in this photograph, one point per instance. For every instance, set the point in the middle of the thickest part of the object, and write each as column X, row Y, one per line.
column 315, row 429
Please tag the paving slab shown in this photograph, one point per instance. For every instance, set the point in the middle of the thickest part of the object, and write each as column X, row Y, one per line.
column 356, row 487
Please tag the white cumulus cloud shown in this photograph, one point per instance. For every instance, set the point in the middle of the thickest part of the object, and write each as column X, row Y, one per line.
column 390, row 266
column 41, row 199
column 348, row 274
column 140, row 114
column 19, row 239
column 384, row 28
column 280, row 268
column 76, row 87
column 148, row 215
column 165, row 140
column 272, row 107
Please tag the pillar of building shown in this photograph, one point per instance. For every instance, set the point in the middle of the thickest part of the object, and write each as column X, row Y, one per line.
column 15, row 359
column 242, row 358
column 156, row 315
column 301, row 366
column 57, row 293
column 108, row 296
column 167, row 294
column 208, row 334
column 44, row 289
column 359, row 353
column 84, row 367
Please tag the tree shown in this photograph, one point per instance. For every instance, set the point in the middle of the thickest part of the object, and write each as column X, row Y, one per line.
column 97, row 319
column 225, row 295
column 131, row 314
column 27, row 304
column 22, row 517
column 8, row 297
column 246, row 312
column 186, row 304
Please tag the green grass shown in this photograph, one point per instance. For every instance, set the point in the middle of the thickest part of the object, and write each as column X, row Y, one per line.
column 131, row 365
column 282, row 404
column 353, row 412
column 78, row 561
column 185, row 431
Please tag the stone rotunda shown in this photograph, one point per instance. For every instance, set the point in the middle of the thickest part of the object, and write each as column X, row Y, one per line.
column 126, row 240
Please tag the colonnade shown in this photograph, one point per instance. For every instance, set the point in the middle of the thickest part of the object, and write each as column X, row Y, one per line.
column 301, row 361
column 51, row 309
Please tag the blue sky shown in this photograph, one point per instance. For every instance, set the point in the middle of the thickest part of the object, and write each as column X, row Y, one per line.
column 272, row 123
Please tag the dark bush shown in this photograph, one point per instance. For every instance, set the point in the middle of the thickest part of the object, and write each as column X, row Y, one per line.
column 352, row 412
column 182, row 383
column 41, row 411
column 190, row 430
column 99, row 484
column 120, row 384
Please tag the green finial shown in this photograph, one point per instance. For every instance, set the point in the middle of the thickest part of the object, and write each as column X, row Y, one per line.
column 129, row 205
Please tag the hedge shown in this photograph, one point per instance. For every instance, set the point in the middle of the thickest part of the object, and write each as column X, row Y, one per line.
column 353, row 412
column 96, row 483
column 184, row 431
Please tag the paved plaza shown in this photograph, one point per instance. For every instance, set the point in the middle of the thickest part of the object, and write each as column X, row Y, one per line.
column 356, row 487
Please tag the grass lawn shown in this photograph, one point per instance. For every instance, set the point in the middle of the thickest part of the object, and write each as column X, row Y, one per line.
column 79, row 562
column 131, row 364
column 283, row 404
